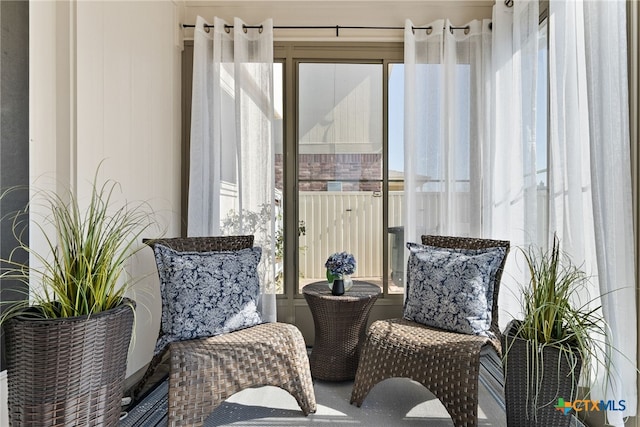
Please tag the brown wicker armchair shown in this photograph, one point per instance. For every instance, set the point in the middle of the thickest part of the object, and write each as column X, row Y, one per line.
column 204, row 372
column 447, row 363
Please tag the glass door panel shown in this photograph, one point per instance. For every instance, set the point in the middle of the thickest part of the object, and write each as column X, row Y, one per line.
column 395, row 136
column 339, row 137
column 278, row 140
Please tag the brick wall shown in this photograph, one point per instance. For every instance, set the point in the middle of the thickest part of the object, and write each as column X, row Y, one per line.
column 353, row 170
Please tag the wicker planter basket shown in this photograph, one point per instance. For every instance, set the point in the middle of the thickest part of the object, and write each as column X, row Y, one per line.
column 554, row 380
column 68, row 371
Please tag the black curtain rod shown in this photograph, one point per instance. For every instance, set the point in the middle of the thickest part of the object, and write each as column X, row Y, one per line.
column 328, row 27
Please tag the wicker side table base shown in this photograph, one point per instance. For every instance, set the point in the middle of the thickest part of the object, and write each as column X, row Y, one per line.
column 207, row 371
column 401, row 348
column 340, row 326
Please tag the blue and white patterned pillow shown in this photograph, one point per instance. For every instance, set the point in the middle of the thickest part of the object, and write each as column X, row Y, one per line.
column 452, row 289
column 207, row 293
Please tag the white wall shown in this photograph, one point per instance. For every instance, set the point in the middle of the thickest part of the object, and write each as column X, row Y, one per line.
column 105, row 85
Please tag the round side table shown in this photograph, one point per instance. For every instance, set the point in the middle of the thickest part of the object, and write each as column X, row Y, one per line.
column 340, row 326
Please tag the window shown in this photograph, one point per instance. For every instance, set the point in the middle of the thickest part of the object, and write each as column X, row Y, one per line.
column 339, row 139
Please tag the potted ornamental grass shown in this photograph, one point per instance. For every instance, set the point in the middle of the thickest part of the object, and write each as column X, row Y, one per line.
column 67, row 341
column 557, row 340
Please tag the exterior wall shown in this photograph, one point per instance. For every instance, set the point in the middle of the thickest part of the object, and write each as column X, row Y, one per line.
column 316, row 170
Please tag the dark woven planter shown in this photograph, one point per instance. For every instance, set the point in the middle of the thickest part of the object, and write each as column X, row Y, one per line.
column 68, row 371
column 554, row 380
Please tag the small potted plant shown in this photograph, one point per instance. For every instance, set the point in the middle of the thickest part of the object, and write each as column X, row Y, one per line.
column 67, row 345
column 340, row 266
column 544, row 352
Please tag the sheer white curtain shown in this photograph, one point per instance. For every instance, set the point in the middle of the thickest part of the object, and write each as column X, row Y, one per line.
column 231, row 176
column 511, row 192
column 446, row 72
column 590, row 179
column 470, row 133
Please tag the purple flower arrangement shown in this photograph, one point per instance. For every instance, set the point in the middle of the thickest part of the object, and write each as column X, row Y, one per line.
column 340, row 264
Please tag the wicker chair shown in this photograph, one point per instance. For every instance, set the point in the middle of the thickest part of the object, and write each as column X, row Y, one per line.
column 447, row 363
column 204, row 372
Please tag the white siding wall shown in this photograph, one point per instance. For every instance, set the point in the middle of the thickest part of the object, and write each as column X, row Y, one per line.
column 105, row 85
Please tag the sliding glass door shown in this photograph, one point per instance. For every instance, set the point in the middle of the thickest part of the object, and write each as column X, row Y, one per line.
column 338, row 167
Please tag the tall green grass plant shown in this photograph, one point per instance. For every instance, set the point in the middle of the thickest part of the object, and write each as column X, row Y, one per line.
column 556, row 315
column 82, row 271
column 553, row 312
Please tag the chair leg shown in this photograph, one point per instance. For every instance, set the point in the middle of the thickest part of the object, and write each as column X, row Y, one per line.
column 192, row 400
column 369, row 373
column 302, row 391
column 460, row 402
column 298, row 381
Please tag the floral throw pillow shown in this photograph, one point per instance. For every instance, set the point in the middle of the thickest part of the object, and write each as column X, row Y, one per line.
column 207, row 293
column 452, row 289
